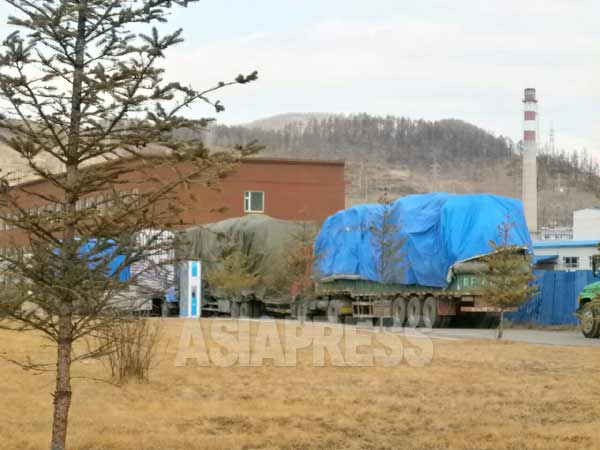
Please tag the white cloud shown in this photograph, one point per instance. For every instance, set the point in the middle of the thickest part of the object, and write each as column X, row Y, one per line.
column 412, row 66
column 468, row 59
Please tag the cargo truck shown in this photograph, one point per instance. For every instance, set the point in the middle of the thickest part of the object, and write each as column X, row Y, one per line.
column 245, row 263
column 443, row 240
column 341, row 299
column 439, row 241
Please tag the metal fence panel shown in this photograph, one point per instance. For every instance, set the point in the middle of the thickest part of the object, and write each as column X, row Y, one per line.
column 557, row 298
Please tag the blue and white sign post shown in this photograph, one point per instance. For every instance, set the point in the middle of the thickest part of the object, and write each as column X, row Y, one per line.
column 191, row 289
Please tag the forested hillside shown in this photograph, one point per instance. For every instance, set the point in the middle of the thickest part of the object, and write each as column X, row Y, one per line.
column 403, row 156
column 390, row 139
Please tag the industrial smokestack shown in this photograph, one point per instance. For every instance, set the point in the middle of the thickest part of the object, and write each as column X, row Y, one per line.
column 530, row 127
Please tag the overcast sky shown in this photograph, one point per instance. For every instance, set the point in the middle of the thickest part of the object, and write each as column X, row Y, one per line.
column 431, row 59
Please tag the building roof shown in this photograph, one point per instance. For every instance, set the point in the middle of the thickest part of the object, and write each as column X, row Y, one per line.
column 277, row 160
column 565, row 244
column 246, row 160
column 537, row 259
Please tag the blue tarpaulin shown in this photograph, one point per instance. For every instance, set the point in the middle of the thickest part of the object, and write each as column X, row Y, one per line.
column 439, row 230
column 94, row 256
column 557, row 298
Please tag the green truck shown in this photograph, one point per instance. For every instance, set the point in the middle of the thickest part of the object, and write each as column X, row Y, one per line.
column 588, row 299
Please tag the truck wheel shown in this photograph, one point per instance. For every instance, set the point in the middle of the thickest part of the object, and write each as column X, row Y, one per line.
column 164, row 309
column 446, row 321
column 294, row 310
column 235, row 310
column 256, row 309
column 303, row 311
column 414, row 312
column 431, row 318
column 333, row 312
column 399, row 307
column 590, row 323
column 246, row 309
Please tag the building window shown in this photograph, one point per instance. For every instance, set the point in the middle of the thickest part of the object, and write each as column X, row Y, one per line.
column 254, row 201
column 571, row 262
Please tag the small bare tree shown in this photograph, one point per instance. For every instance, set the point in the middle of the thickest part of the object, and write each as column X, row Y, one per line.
column 131, row 345
column 387, row 243
column 81, row 86
column 299, row 262
column 509, row 280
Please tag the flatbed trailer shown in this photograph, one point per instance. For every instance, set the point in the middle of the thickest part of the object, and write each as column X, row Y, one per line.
column 246, row 306
column 412, row 305
column 340, row 300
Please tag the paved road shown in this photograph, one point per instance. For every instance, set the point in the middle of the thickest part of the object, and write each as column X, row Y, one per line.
column 564, row 338
column 569, row 338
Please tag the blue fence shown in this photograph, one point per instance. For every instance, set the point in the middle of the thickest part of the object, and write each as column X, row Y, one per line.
column 557, row 299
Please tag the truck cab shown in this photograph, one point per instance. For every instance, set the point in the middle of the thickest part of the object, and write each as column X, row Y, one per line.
column 588, row 300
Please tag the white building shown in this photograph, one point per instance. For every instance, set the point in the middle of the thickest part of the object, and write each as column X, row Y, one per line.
column 565, row 255
column 586, row 224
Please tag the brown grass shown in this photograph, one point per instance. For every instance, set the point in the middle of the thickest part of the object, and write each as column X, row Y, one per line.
column 473, row 395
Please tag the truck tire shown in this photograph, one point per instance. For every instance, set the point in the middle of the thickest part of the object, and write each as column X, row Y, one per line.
column 234, row 310
column 431, row 318
column 164, row 309
column 333, row 312
column 246, row 309
column 304, row 311
column 590, row 323
column 446, row 321
column 399, row 312
column 414, row 312
column 294, row 310
column 257, row 309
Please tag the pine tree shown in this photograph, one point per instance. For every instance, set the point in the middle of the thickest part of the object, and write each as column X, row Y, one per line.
column 508, row 282
column 79, row 86
column 236, row 272
column 387, row 243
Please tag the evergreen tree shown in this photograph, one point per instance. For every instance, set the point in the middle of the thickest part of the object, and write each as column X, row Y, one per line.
column 508, row 282
column 236, row 272
column 80, row 84
column 387, row 243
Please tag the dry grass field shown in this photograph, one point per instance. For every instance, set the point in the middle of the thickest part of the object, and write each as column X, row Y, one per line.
column 472, row 395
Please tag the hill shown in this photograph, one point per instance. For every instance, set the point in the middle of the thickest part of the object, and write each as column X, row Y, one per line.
column 402, row 156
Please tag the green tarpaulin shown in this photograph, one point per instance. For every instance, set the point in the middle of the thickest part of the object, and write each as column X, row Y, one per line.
column 262, row 239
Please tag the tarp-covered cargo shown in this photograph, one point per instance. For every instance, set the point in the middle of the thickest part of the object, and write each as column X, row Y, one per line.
column 439, row 230
column 265, row 241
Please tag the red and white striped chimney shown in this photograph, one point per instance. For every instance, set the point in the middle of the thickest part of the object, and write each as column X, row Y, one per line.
column 530, row 127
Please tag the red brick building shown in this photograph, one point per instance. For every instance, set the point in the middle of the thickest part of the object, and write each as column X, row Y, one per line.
column 281, row 188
